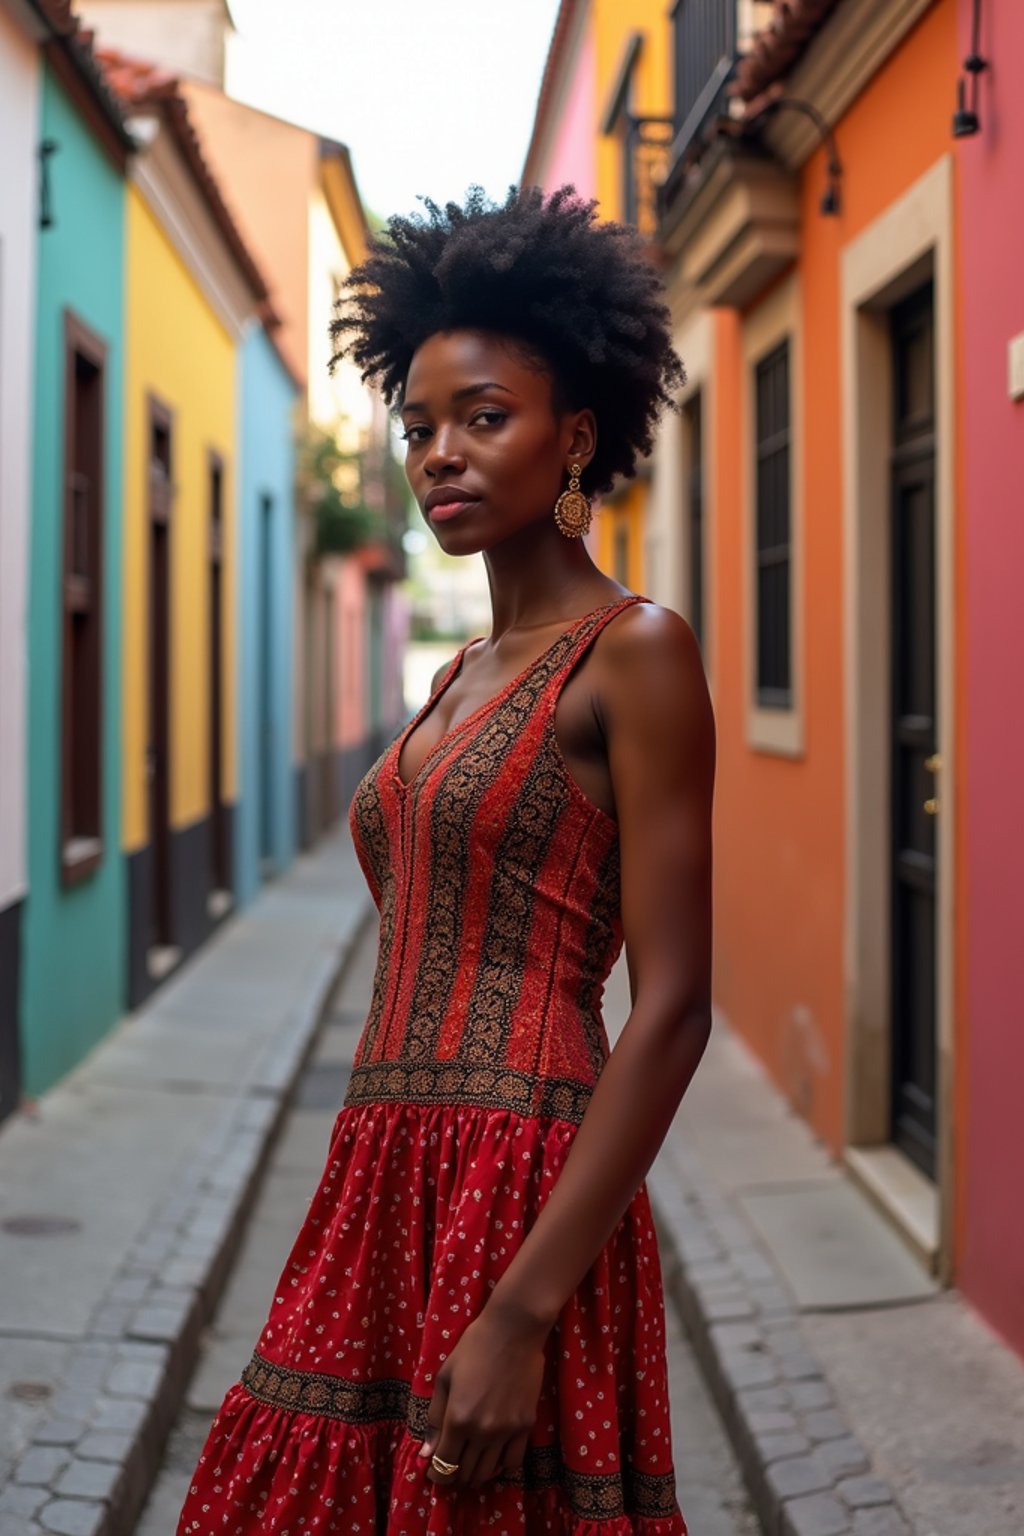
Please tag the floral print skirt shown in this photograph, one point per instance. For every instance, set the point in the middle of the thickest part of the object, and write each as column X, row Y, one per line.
column 417, row 1214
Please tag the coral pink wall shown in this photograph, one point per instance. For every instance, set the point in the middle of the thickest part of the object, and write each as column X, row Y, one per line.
column 572, row 156
column 991, row 237
column 350, row 649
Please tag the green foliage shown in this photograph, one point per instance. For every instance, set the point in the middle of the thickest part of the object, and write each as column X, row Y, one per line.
column 331, row 481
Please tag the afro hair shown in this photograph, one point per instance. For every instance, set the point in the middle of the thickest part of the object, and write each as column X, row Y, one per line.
column 581, row 295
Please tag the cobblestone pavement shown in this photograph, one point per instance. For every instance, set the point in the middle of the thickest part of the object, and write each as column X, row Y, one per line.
column 710, row 1486
column 123, row 1196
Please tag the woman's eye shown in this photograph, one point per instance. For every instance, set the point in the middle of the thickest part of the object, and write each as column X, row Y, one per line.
column 493, row 418
column 408, row 435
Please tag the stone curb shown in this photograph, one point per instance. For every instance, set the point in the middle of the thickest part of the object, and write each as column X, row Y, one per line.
column 807, row 1474
column 90, row 1466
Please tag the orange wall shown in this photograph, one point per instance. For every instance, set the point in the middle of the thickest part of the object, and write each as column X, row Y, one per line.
column 780, row 870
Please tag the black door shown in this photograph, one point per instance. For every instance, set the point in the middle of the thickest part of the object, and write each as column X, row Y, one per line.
column 693, row 413
column 266, row 699
column 914, row 729
column 220, row 873
column 158, row 753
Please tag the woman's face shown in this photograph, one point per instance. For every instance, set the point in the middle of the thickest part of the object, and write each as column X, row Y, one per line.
column 487, row 455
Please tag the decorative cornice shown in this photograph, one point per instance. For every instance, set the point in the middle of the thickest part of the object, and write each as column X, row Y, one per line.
column 734, row 224
column 850, row 47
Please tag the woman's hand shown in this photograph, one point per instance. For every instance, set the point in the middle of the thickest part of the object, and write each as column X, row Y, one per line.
column 485, row 1399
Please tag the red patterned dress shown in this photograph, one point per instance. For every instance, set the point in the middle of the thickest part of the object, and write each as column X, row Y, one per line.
column 497, row 883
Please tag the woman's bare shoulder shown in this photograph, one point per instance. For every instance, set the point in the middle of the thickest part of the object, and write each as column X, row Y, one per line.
column 647, row 635
column 650, row 670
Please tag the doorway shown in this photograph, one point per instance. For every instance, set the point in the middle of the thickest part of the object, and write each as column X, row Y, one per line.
column 900, row 615
column 914, row 730
column 265, row 686
column 161, row 933
column 219, row 873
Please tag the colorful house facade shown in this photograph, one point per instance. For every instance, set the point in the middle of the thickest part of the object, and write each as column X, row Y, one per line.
column 601, row 121
column 20, row 34
column 990, row 233
column 265, row 831
column 147, row 548
column 835, row 508
column 192, row 292
column 300, row 205
column 72, row 955
column 807, row 515
column 297, row 202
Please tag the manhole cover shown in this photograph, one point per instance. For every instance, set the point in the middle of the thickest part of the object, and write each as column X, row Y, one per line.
column 30, row 1391
column 41, row 1226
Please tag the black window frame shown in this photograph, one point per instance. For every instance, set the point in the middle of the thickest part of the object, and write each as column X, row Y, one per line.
column 772, row 384
column 83, row 492
column 696, row 522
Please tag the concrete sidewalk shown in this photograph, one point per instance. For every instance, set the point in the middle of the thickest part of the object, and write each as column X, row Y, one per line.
column 861, row 1400
column 123, row 1197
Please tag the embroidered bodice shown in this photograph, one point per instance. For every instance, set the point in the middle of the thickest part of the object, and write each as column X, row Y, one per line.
column 497, row 882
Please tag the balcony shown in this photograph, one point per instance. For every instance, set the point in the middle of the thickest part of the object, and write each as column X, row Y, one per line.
column 726, row 209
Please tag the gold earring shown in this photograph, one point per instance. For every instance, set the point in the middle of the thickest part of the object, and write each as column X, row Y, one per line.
column 572, row 509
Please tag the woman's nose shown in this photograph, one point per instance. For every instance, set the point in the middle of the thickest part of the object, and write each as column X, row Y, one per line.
column 444, row 453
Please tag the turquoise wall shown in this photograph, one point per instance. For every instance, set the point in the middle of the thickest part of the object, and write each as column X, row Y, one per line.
column 74, row 939
column 266, row 812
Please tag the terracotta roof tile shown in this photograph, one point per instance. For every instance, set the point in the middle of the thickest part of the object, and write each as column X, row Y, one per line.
column 140, row 86
column 75, row 43
column 777, row 48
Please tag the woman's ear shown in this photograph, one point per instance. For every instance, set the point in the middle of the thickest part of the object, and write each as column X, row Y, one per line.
column 583, row 441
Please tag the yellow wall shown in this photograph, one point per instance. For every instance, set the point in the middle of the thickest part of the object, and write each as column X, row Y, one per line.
column 614, row 24
column 625, row 513
column 178, row 351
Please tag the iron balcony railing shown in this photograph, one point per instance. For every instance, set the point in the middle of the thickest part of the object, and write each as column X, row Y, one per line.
column 706, row 50
column 646, row 147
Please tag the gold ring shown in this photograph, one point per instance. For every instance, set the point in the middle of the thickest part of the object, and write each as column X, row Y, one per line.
column 444, row 1467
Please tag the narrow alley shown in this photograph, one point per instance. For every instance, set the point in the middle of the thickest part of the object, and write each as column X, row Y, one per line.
column 710, row 1486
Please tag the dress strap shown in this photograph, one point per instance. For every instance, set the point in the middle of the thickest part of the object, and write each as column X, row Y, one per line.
column 581, row 637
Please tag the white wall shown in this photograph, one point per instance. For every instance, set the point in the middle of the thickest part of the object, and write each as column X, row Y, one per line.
column 184, row 36
column 19, row 135
column 339, row 401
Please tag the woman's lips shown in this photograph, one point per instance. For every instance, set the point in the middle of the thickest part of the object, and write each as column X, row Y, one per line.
column 444, row 511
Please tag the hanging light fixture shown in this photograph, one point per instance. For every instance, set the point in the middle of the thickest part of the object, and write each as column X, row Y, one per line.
column 47, row 148
column 830, row 201
column 965, row 118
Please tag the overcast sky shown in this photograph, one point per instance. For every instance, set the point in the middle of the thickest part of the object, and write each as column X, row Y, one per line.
column 429, row 95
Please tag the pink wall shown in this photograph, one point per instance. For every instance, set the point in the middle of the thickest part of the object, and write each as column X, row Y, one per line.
column 350, row 649
column 991, row 233
column 572, row 156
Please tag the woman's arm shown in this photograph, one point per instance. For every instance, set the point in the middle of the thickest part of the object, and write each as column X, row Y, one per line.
column 658, row 723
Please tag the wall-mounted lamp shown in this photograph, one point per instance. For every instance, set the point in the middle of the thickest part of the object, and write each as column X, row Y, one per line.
column 830, row 204
column 965, row 118
column 47, row 148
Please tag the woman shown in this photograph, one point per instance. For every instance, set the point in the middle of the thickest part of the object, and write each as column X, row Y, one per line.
column 469, row 1334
